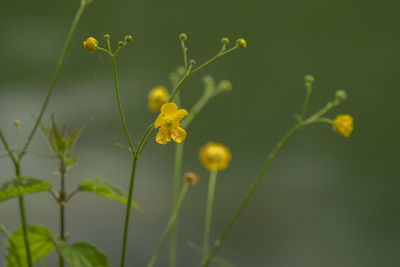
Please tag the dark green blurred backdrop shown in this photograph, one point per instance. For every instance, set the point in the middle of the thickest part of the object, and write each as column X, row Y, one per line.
column 326, row 201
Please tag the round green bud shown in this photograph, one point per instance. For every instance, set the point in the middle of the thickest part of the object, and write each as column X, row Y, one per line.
column 120, row 44
column 341, row 95
column 208, row 79
column 183, row 36
column 128, row 38
column 309, row 78
column 180, row 70
column 106, row 37
column 225, row 85
column 241, row 43
column 225, row 40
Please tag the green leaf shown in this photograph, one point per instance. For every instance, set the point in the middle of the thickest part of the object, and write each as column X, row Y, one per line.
column 82, row 255
column 39, row 241
column 103, row 188
column 22, row 185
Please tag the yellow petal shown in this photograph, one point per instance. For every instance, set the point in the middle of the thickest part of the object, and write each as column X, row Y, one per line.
column 163, row 136
column 169, row 108
column 159, row 121
column 178, row 134
column 180, row 114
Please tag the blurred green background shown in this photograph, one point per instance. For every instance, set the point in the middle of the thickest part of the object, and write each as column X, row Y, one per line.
column 326, row 200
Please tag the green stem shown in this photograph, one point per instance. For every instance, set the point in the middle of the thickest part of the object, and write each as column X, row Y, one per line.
column 306, row 101
column 190, row 72
column 209, row 209
column 61, row 202
column 55, row 75
column 121, row 113
column 218, row 243
column 168, row 227
column 7, row 148
column 25, row 230
column 128, row 210
column 176, row 185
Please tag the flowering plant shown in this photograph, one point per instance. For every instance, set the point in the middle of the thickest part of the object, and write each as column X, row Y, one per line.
column 30, row 243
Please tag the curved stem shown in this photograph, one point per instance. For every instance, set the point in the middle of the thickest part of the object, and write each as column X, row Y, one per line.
column 121, row 113
column 306, row 101
column 218, row 243
column 168, row 227
column 128, row 211
column 209, row 208
column 55, row 76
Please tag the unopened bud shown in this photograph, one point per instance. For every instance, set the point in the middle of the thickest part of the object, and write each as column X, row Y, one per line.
column 128, row 38
column 225, row 41
column 192, row 62
column 241, row 43
column 106, row 37
column 120, row 44
column 309, row 79
column 183, row 36
column 225, row 85
column 341, row 95
column 17, row 123
column 191, row 178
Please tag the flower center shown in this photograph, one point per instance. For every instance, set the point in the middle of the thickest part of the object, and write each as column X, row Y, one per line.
column 169, row 123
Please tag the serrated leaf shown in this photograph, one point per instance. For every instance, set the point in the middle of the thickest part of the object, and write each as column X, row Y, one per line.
column 22, row 185
column 103, row 188
column 82, row 255
column 39, row 241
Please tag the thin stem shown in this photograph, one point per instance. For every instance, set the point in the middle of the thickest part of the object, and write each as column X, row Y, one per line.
column 168, row 227
column 176, row 185
column 144, row 137
column 7, row 148
column 19, row 138
column 128, row 211
column 72, row 194
column 190, row 72
column 209, row 209
column 218, row 243
column 121, row 113
column 61, row 202
column 55, row 75
column 306, row 100
column 322, row 111
column 25, row 230
column 184, row 50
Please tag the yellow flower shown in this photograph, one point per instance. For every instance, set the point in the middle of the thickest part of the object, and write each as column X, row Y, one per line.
column 344, row 125
column 90, row 44
column 215, row 156
column 168, row 121
column 158, row 96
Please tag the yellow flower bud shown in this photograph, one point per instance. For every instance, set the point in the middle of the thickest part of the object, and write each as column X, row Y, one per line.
column 90, row 44
column 215, row 156
column 158, row 96
column 343, row 125
column 241, row 43
column 17, row 123
column 191, row 178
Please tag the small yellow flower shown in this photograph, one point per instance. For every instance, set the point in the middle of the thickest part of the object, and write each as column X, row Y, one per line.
column 158, row 96
column 241, row 43
column 90, row 44
column 344, row 125
column 168, row 121
column 215, row 156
